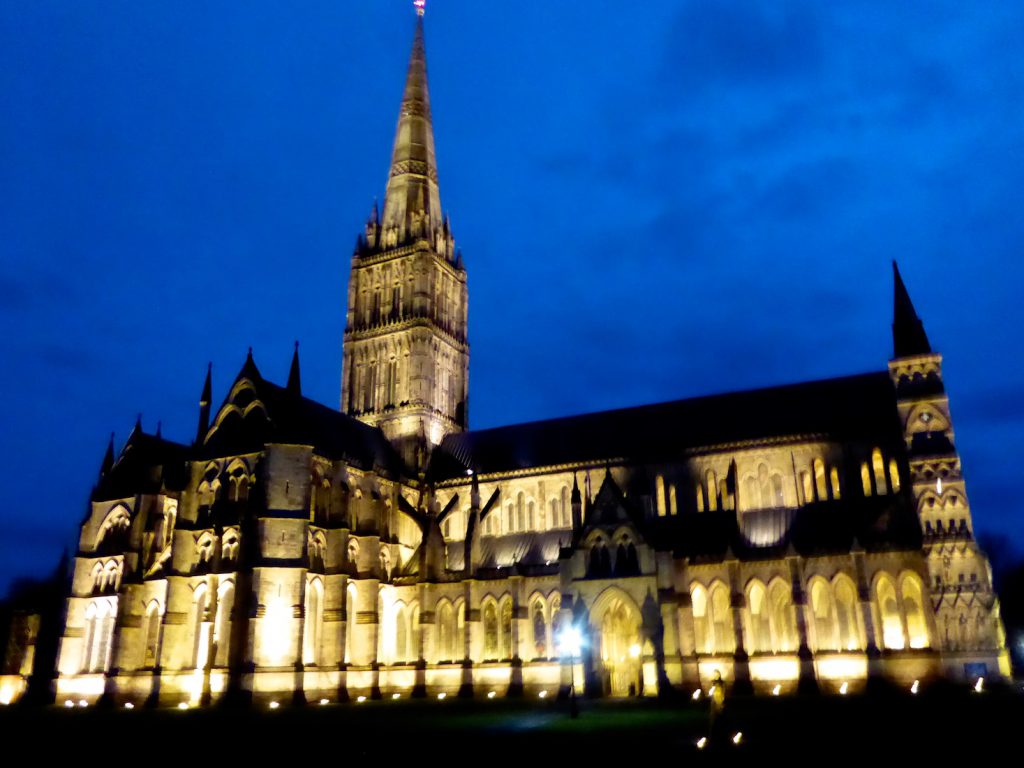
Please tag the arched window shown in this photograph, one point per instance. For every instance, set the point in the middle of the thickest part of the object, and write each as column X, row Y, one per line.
column 510, row 518
column 350, row 620
column 865, row 478
column 889, row 613
column 699, row 604
column 821, row 608
column 700, row 498
column 531, row 515
column 833, row 474
column 778, row 499
column 783, row 618
column 229, row 546
column 721, row 619
column 401, row 650
column 540, row 630
column 565, row 508
column 200, row 627
column 99, row 581
column 878, row 466
column 446, row 632
column 555, row 514
column 759, row 625
column 808, row 486
column 819, row 480
column 312, row 623
column 113, row 533
column 711, row 483
column 913, row 607
column 222, row 623
column 894, row 476
column 673, row 507
column 492, row 647
column 152, row 635
column 505, row 639
column 556, row 622
column 413, row 652
column 99, row 634
column 846, row 614
column 659, row 483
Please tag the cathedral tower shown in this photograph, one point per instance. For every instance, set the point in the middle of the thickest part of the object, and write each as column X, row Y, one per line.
column 406, row 354
column 966, row 609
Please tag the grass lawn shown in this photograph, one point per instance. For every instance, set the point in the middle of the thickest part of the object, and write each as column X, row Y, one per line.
column 886, row 729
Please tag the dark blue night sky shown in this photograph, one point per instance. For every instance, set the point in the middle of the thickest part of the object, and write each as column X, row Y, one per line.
column 654, row 200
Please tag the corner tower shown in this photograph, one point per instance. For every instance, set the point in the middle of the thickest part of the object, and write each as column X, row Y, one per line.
column 406, row 353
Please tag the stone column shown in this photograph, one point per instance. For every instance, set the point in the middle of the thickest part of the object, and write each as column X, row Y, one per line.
column 808, row 680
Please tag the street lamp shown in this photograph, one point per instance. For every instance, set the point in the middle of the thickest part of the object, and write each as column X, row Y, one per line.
column 571, row 641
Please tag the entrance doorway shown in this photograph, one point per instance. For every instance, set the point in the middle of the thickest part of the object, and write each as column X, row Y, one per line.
column 621, row 646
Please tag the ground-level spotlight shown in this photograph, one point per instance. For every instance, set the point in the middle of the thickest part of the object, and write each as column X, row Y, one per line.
column 702, row 742
column 129, row 705
column 737, row 737
column 915, row 687
column 69, row 703
column 442, row 696
column 542, row 695
column 274, row 705
column 776, row 690
column 696, row 695
column 183, row 705
column 324, row 702
column 83, row 703
column 396, row 696
column 980, row 685
column 491, row 694
column 360, row 699
column 634, row 651
column 844, row 688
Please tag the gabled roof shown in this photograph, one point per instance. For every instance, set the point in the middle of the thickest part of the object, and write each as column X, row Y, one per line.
column 146, row 464
column 861, row 407
column 257, row 412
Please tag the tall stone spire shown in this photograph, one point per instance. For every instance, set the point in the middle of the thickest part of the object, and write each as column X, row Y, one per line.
column 412, row 203
column 908, row 336
column 405, row 363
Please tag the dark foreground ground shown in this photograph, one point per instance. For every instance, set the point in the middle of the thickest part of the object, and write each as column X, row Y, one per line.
column 891, row 728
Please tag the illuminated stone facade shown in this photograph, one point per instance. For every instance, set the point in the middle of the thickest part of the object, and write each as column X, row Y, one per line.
column 810, row 536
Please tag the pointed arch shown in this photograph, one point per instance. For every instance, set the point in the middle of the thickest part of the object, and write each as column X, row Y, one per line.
column 720, row 610
column 782, row 616
column 823, row 611
column 758, row 622
column 912, row 592
column 847, row 614
column 312, row 622
column 888, row 608
column 222, row 622
column 701, row 619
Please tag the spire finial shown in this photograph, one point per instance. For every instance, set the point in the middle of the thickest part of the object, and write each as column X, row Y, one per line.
column 204, row 405
column 908, row 335
column 412, row 202
column 421, row 7
column 294, row 380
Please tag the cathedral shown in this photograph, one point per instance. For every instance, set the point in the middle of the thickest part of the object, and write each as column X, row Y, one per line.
column 816, row 536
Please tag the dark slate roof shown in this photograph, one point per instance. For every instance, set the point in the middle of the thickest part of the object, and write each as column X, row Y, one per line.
column 296, row 420
column 147, row 464
column 832, row 527
column 529, row 549
column 861, row 407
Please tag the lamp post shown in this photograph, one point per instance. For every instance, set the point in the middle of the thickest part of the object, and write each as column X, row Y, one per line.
column 571, row 642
